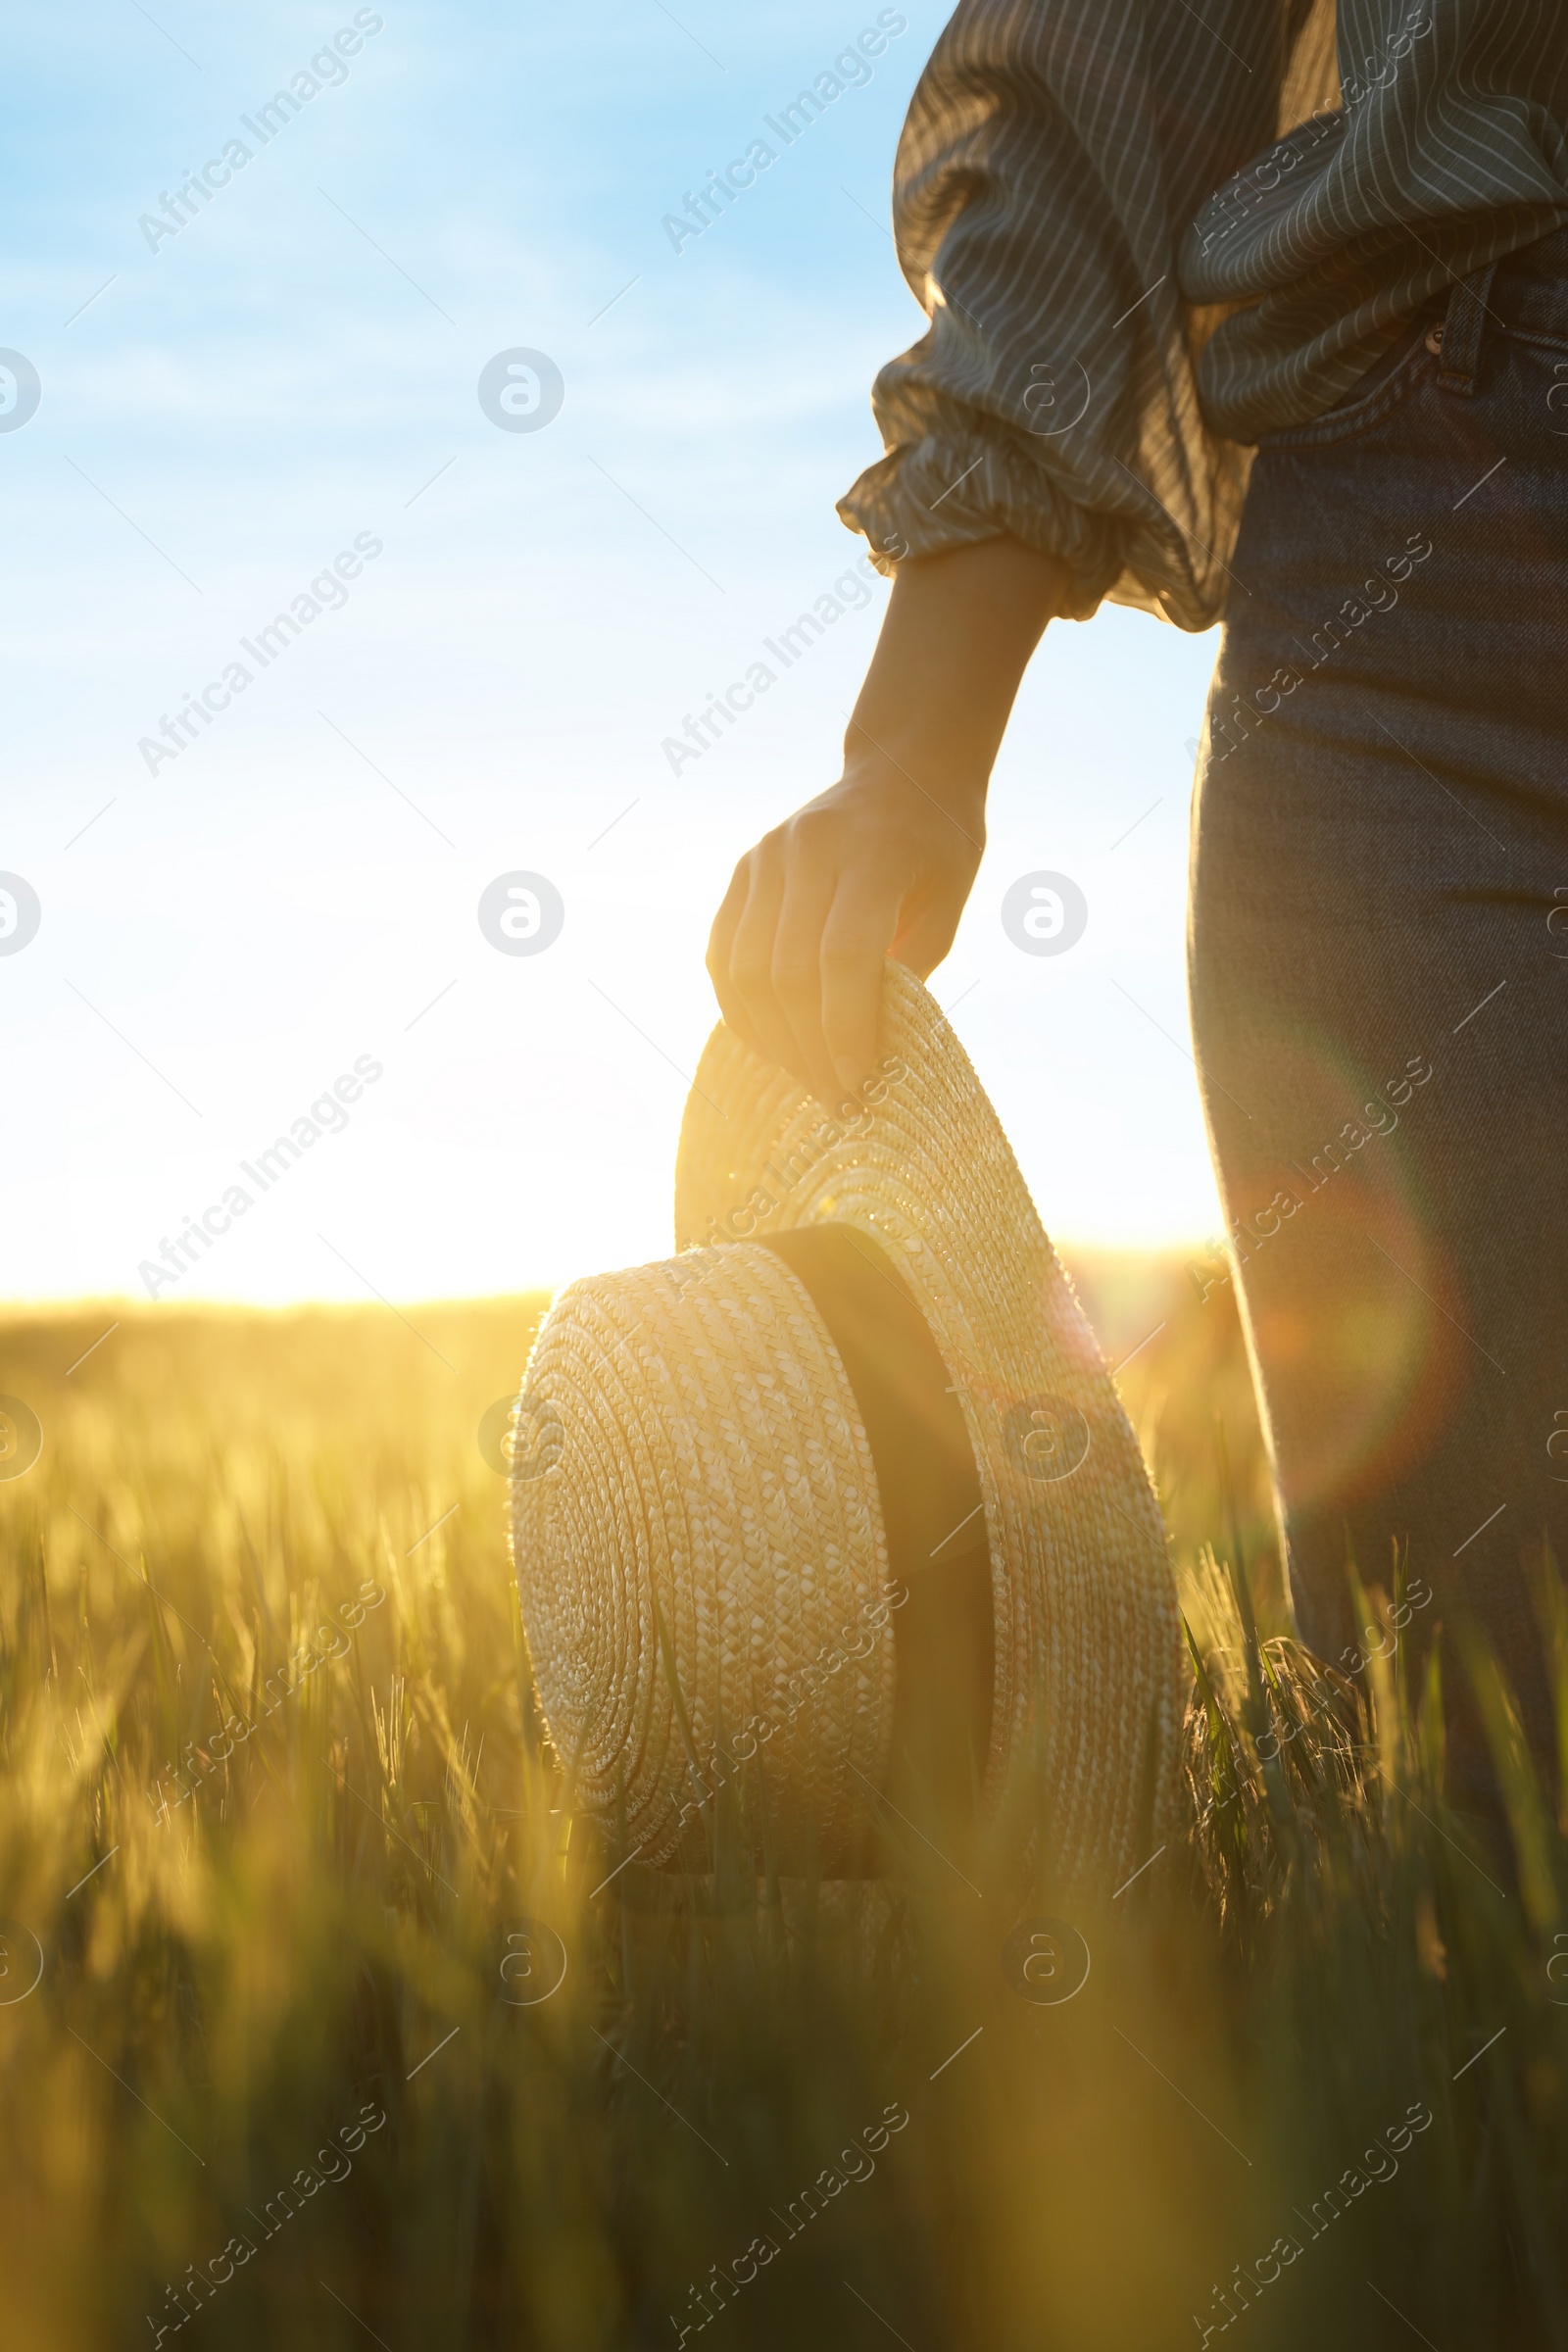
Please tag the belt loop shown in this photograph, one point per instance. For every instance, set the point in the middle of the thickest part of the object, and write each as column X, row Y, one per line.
column 1462, row 328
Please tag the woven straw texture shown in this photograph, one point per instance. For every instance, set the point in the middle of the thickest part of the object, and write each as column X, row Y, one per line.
column 697, row 1532
column 1088, row 1691
column 694, row 1513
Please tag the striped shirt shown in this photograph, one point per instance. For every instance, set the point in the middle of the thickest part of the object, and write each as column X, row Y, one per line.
column 1148, row 231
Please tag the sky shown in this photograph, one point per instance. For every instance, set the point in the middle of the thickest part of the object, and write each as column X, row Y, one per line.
column 524, row 581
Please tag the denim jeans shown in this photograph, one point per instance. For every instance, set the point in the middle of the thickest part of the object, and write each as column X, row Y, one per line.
column 1378, row 961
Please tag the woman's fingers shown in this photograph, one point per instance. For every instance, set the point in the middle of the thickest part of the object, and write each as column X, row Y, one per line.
column 794, row 930
column 925, row 929
column 751, row 959
column 812, row 914
column 799, row 945
column 852, row 952
column 721, row 947
column 811, row 876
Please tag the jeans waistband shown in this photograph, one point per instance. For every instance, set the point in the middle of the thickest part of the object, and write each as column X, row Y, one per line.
column 1531, row 288
column 1525, row 292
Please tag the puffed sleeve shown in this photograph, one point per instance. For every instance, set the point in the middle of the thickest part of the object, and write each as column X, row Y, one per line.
column 1055, row 154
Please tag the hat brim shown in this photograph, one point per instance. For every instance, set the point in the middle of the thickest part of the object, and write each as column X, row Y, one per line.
column 1088, row 1690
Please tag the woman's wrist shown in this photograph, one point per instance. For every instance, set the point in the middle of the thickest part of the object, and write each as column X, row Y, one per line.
column 914, row 768
column 883, row 860
column 959, row 629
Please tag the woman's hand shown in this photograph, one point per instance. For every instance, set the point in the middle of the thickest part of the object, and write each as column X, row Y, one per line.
column 872, row 866
column 883, row 862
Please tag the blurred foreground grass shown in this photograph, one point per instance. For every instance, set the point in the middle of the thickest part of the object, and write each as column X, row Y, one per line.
column 286, row 2053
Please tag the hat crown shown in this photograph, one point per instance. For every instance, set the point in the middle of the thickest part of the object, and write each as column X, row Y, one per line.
column 713, row 1486
column 706, row 1534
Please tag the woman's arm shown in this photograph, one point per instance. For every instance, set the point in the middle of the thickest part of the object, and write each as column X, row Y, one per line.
column 1055, row 155
column 1044, row 449
column 883, row 862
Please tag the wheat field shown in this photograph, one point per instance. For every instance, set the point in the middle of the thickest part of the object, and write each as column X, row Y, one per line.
column 319, row 2024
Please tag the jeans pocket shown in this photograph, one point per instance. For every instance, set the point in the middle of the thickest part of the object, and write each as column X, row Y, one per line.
column 1387, row 384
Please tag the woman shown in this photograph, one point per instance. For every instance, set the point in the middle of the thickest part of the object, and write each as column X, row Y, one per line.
column 1156, row 237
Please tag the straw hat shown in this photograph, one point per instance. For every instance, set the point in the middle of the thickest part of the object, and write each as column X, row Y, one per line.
column 698, row 1533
